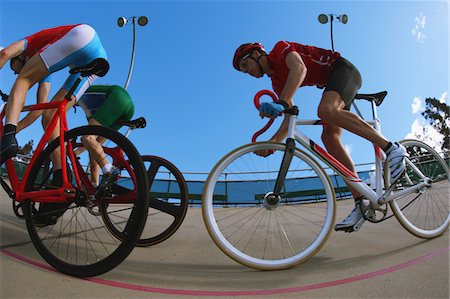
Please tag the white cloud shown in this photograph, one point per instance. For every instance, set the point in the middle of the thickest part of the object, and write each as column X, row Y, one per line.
column 417, row 105
column 418, row 30
column 444, row 97
column 426, row 133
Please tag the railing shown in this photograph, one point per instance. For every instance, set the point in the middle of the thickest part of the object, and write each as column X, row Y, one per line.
column 240, row 192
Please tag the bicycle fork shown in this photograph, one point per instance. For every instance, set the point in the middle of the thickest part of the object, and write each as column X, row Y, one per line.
column 287, row 158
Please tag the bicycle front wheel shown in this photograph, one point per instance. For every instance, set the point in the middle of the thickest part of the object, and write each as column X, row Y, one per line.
column 79, row 243
column 260, row 231
column 424, row 213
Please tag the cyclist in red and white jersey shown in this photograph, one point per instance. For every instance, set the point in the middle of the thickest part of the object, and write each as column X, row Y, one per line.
column 292, row 65
column 34, row 58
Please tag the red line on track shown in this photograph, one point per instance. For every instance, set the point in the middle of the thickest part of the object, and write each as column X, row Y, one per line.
column 150, row 289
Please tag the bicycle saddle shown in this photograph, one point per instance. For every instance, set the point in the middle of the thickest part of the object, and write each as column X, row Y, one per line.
column 377, row 98
column 137, row 123
column 98, row 66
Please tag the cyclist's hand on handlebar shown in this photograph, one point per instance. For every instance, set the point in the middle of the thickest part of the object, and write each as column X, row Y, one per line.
column 264, row 153
column 270, row 109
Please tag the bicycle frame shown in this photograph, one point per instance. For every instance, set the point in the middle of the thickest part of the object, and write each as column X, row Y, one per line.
column 82, row 180
column 17, row 190
column 377, row 197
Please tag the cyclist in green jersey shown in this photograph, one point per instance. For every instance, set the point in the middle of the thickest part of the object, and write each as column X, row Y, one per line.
column 108, row 106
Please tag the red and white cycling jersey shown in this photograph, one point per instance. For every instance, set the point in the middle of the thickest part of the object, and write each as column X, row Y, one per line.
column 318, row 63
column 37, row 42
column 66, row 46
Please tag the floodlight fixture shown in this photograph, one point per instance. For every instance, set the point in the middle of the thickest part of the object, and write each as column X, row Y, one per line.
column 121, row 22
column 324, row 18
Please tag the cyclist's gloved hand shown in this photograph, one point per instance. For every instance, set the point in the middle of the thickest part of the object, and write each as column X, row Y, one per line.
column 271, row 108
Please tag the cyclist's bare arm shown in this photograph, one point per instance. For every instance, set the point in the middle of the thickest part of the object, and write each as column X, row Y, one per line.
column 281, row 134
column 11, row 51
column 297, row 74
column 42, row 97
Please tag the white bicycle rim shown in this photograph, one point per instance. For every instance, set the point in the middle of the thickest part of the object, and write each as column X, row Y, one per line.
column 425, row 214
column 238, row 255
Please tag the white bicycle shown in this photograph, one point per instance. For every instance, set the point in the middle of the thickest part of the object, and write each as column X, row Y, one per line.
column 278, row 211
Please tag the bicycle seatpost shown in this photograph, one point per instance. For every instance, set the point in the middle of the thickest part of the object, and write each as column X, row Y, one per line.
column 72, row 89
column 127, row 133
column 98, row 67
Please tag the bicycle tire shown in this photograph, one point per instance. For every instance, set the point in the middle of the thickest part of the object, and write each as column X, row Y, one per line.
column 239, row 220
column 79, row 244
column 168, row 202
column 426, row 213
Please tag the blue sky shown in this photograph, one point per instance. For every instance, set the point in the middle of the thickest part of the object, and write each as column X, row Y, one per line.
column 199, row 108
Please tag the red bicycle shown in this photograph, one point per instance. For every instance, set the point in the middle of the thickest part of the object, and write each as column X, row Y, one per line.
column 80, row 243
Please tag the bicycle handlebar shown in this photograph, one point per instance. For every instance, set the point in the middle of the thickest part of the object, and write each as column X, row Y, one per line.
column 256, row 101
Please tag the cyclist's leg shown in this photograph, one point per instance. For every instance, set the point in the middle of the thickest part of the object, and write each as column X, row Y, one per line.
column 332, row 112
column 79, row 46
column 332, row 103
column 331, row 137
column 98, row 159
column 33, row 71
column 48, row 218
column 46, row 118
column 94, row 145
column 116, row 106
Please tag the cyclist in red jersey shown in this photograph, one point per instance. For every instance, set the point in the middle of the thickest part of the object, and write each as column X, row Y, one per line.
column 292, row 65
column 34, row 58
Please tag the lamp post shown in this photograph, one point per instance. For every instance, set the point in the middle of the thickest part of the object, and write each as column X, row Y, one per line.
column 122, row 21
column 323, row 19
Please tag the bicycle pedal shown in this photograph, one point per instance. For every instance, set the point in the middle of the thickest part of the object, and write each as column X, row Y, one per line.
column 355, row 227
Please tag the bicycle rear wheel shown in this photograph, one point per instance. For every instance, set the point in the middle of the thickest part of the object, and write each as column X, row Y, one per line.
column 168, row 202
column 257, row 231
column 79, row 243
column 425, row 213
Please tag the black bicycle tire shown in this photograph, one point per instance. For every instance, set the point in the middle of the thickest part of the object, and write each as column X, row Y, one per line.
column 180, row 213
column 136, row 221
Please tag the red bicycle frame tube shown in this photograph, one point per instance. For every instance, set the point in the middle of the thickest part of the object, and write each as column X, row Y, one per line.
column 18, row 186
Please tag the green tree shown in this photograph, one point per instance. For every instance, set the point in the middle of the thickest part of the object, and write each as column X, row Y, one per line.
column 437, row 114
column 27, row 149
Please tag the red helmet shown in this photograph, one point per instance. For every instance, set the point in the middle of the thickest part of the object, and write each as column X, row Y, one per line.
column 244, row 50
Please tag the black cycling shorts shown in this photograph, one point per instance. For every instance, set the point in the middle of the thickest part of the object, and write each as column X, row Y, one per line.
column 344, row 79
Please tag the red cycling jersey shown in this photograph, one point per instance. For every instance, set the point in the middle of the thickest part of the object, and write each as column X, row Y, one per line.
column 39, row 41
column 318, row 64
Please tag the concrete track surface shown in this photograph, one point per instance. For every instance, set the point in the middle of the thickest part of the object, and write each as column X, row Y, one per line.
column 380, row 261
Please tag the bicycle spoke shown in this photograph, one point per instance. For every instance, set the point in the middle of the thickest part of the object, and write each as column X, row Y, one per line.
column 255, row 227
column 426, row 212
